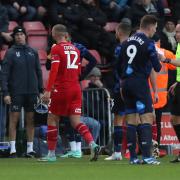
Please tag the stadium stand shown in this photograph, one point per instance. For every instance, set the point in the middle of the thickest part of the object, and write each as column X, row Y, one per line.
column 2, row 53
column 12, row 25
column 110, row 26
column 42, row 56
column 38, row 42
column 35, row 28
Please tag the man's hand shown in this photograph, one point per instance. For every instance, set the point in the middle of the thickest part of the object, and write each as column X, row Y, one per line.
column 23, row 9
column 156, row 98
column 7, row 99
column 161, row 57
column 41, row 10
column 98, row 83
column 112, row 4
column 46, row 97
column 7, row 36
column 172, row 88
column 16, row 5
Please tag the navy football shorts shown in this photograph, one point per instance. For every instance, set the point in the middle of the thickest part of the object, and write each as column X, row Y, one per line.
column 137, row 96
column 118, row 107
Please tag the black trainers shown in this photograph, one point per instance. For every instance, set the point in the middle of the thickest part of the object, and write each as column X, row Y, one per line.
column 13, row 155
column 176, row 160
column 31, row 154
column 95, row 153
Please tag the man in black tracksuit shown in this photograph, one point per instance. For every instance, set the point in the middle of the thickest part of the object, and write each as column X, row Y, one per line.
column 21, row 85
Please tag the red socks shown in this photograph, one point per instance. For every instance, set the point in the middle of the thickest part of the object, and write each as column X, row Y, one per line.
column 154, row 131
column 85, row 133
column 52, row 134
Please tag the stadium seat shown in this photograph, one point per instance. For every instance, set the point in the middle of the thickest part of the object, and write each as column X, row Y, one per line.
column 42, row 56
column 12, row 25
column 35, row 28
column 2, row 53
column 95, row 54
column 38, row 42
column 45, row 74
column 110, row 26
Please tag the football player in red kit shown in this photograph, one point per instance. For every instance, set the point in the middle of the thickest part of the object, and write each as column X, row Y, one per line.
column 63, row 92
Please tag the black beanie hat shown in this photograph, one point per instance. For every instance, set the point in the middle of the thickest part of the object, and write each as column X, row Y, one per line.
column 18, row 29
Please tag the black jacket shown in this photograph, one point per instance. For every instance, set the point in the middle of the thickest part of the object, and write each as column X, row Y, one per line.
column 21, row 71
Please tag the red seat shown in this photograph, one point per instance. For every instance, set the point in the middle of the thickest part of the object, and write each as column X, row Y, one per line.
column 96, row 55
column 110, row 26
column 45, row 74
column 42, row 56
column 35, row 28
column 2, row 54
column 37, row 42
column 12, row 25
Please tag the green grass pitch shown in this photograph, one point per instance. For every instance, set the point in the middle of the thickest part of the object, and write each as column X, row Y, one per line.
column 82, row 169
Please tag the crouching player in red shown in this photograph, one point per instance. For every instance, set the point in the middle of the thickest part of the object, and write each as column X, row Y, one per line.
column 63, row 92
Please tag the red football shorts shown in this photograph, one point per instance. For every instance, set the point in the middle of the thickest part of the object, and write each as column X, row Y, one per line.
column 66, row 102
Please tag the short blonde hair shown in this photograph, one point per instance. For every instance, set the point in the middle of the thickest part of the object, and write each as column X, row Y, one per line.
column 60, row 29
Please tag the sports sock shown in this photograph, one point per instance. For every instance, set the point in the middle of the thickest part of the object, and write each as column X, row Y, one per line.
column 78, row 146
column 177, row 130
column 51, row 153
column 158, row 113
column 118, row 135
column 154, row 131
column 13, row 147
column 29, row 147
column 131, row 140
column 78, row 141
column 72, row 145
column 145, row 133
column 85, row 133
column 52, row 137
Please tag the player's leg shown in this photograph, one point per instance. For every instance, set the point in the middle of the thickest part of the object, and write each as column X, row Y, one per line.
column 52, row 135
column 118, row 136
column 30, row 134
column 83, row 130
column 71, row 135
column 155, row 147
column 158, row 113
column 13, row 120
column 175, row 111
column 78, row 140
column 145, row 133
column 176, row 125
column 30, row 102
column 128, row 89
column 14, row 115
column 119, row 112
column 132, row 123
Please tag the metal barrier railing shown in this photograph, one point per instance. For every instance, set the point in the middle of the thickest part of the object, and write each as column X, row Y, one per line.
column 3, row 118
column 97, row 104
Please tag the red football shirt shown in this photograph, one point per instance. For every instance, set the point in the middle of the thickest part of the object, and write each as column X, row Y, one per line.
column 65, row 66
